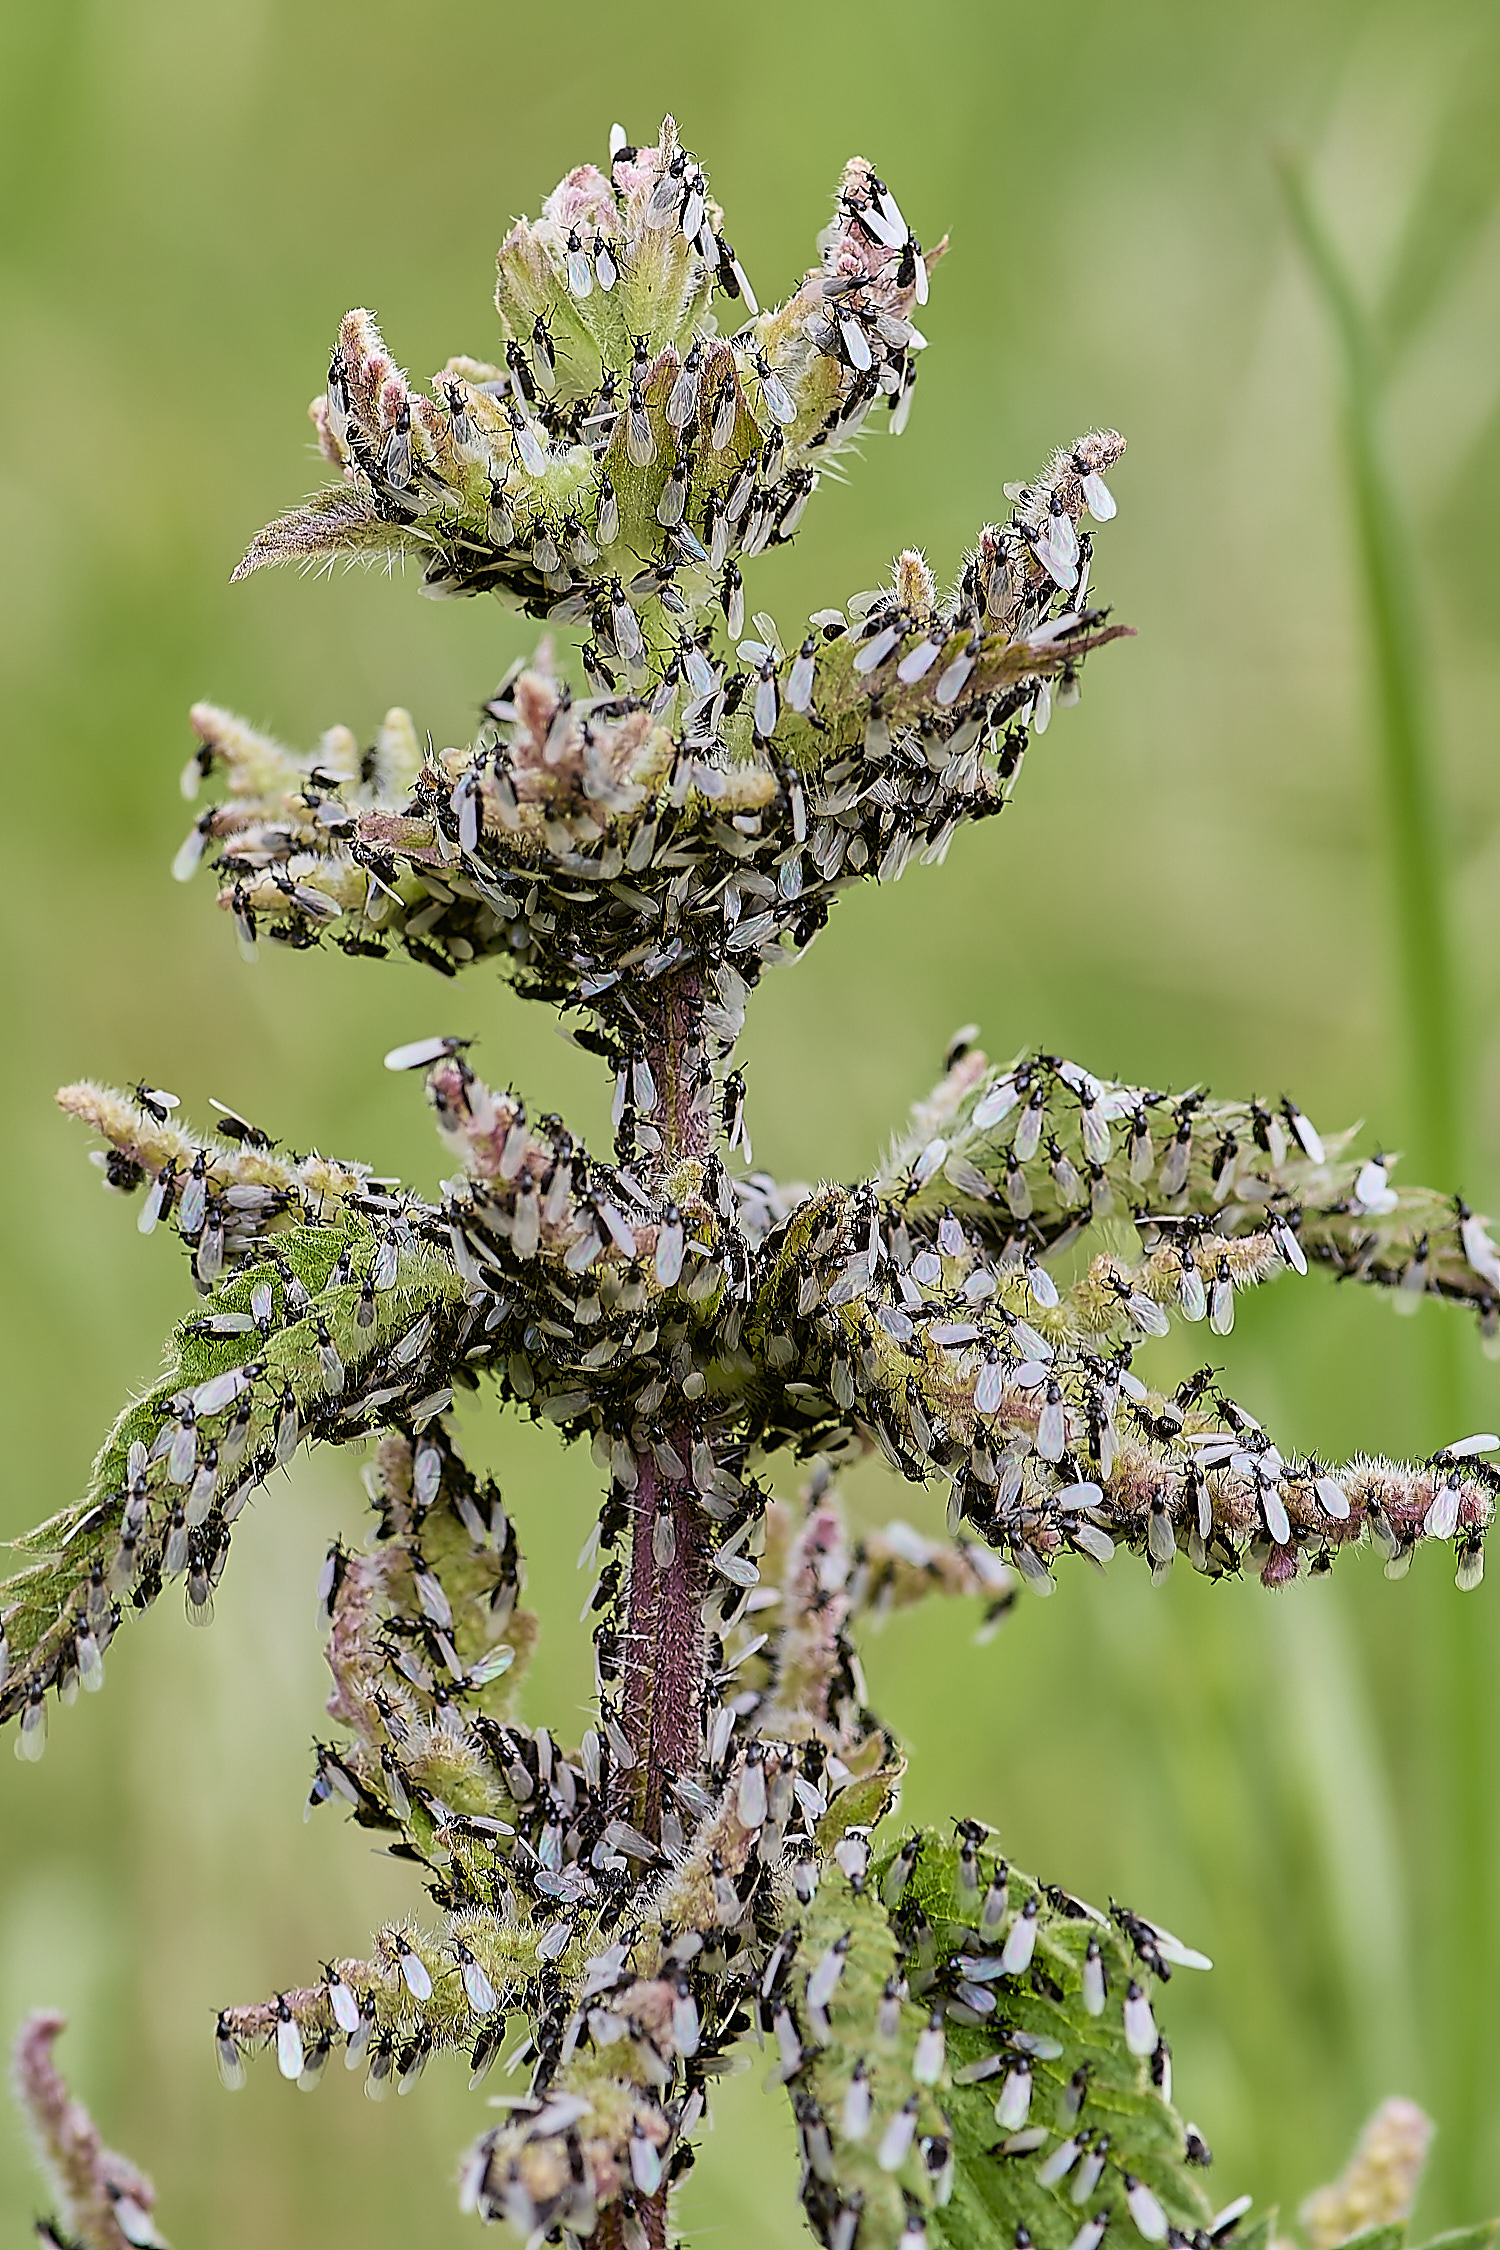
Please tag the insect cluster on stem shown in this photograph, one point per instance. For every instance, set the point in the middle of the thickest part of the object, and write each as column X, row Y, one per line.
column 969, row 2053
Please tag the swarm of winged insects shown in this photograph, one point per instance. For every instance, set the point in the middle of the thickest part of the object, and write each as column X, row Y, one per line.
column 970, row 2055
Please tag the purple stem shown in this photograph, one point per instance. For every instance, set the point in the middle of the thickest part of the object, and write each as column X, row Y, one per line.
column 662, row 1713
column 663, row 1652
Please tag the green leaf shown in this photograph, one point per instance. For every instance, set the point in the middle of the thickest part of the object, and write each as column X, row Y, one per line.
column 1084, row 2078
column 906, row 2016
column 51, row 1537
column 860, row 1805
column 335, row 521
column 74, row 1588
column 1479, row 2237
column 1391, row 2237
column 846, row 2168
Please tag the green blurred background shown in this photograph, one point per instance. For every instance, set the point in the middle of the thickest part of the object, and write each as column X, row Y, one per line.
column 1193, row 884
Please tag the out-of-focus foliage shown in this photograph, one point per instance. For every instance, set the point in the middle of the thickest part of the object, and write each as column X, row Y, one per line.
column 190, row 195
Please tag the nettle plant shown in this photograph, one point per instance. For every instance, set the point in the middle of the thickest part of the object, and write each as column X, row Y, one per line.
column 970, row 2054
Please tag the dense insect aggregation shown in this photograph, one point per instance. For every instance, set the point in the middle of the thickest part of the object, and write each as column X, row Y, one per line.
column 969, row 2054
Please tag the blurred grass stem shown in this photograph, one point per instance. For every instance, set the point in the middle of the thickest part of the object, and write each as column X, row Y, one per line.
column 1457, row 1685
column 1413, row 808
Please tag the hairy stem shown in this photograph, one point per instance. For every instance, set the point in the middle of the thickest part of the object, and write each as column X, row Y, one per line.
column 664, row 1639
column 615, row 2231
column 663, row 1625
column 105, row 2199
column 671, row 1021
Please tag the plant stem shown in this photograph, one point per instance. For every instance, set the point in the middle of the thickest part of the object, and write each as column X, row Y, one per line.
column 663, row 1634
column 673, row 1042
column 1413, row 817
column 662, row 1713
column 612, row 2232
